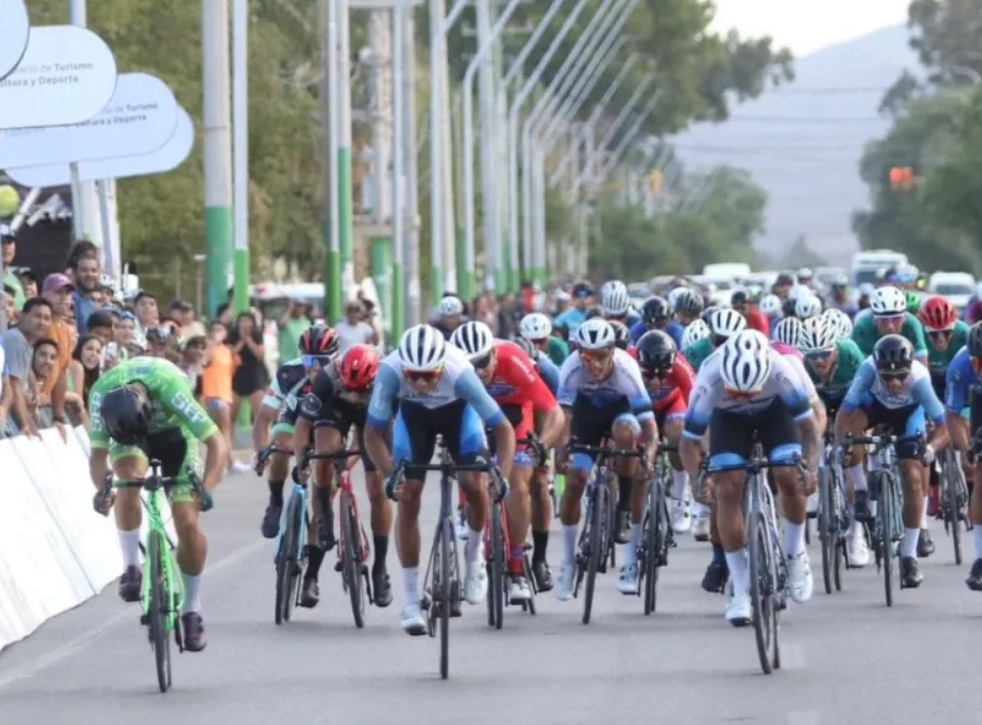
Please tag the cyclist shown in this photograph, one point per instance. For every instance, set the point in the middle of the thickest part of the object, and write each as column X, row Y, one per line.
column 572, row 318
column 450, row 315
column 140, row 410
column 669, row 379
column 695, row 332
column 894, row 390
column 787, row 331
column 537, row 329
column 946, row 335
column 747, row 393
column 338, row 400
column 511, row 379
column 546, row 368
column 963, row 395
column 622, row 335
column 279, row 409
column 723, row 324
column 743, row 302
column 888, row 315
column 840, row 321
column 832, row 363
column 616, row 304
column 807, row 305
column 656, row 314
column 771, row 305
column 604, row 396
column 439, row 394
column 687, row 305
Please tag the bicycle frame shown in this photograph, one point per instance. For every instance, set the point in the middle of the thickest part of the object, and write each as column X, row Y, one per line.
column 175, row 583
column 299, row 489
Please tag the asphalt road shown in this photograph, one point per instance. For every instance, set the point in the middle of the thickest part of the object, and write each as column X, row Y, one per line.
column 846, row 656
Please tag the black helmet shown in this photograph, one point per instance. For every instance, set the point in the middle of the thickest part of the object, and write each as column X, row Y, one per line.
column 655, row 310
column 319, row 340
column 594, row 311
column 656, row 351
column 740, row 296
column 125, row 413
column 789, row 307
column 893, row 352
column 622, row 336
column 975, row 340
column 530, row 349
column 707, row 314
column 688, row 302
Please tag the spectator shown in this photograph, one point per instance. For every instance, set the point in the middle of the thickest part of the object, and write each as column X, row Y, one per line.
column 44, row 360
column 353, row 330
column 216, row 380
column 86, row 366
column 28, row 281
column 18, row 343
column 100, row 325
column 58, row 289
column 7, row 396
column 88, row 292
column 8, row 250
column 10, row 308
column 184, row 316
column 162, row 343
column 290, row 327
column 126, row 335
column 79, row 249
column 250, row 377
column 192, row 357
column 147, row 314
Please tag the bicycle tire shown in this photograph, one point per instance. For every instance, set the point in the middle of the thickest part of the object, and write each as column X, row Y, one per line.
column 839, row 550
column 763, row 581
column 653, row 546
column 827, row 533
column 446, row 549
column 595, row 539
column 354, row 583
column 529, row 605
column 286, row 561
column 159, row 609
column 885, row 515
column 952, row 474
column 496, row 566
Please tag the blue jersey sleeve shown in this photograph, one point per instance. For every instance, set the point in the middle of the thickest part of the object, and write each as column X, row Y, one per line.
column 548, row 372
column 632, row 318
column 861, row 386
column 636, row 331
column 383, row 396
column 958, row 381
column 676, row 330
column 470, row 388
column 923, row 392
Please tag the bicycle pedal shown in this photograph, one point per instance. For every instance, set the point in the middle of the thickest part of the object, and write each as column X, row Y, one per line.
column 339, row 566
column 144, row 619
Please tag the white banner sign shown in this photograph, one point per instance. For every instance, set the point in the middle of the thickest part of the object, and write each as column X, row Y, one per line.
column 167, row 158
column 67, row 75
column 15, row 29
column 139, row 119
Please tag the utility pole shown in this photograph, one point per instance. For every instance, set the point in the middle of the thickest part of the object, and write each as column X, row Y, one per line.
column 381, row 108
column 412, row 310
column 240, row 157
column 344, row 210
column 217, row 151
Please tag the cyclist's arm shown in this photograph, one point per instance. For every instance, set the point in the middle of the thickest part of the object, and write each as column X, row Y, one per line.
column 379, row 411
column 957, row 381
column 923, row 392
column 851, row 408
column 469, row 387
column 919, row 341
column 216, row 459
column 702, row 400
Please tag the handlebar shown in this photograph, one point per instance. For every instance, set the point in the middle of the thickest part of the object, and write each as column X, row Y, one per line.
column 449, row 468
column 882, row 441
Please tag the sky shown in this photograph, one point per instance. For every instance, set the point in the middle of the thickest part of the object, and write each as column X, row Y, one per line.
column 807, row 25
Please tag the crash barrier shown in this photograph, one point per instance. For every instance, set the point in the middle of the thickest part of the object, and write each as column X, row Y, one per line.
column 55, row 551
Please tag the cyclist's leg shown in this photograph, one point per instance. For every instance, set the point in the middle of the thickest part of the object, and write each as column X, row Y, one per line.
column 671, row 423
column 541, row 520
column 381, row 521
column 129, row 463
column 519, row 502
column 914, row 479
column 279, row 470
column 625, row 432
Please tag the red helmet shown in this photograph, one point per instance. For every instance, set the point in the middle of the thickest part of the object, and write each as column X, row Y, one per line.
column 358, row 366
column 319, row 340
column 938, row 313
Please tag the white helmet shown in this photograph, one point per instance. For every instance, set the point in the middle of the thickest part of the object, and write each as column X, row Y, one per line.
column 726, row 322
column 746, row 361
column 536, row 326
column 818, row 334
column 807, row 306
column 787, row 331
column 696, row 331
column 771, row 305
column 422, row 348
column 474, row 338
column 451, row 306
column 614, row 298
column 840, row 320
column 888, row 301
column 595, row 334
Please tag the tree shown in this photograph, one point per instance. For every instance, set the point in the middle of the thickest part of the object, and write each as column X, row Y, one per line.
column 800, row 255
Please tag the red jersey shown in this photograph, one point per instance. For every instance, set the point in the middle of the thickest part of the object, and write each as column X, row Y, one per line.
column 516, row 380
column 675, row 388
column 757, row 320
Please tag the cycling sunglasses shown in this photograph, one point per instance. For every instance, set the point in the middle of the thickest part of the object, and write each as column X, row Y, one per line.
column 894, row 375
column 890, row 318
column 819, row 355
column 482, row 362
column 423, row 376
column 940, row 334
column 655, row 372
column 599, row 356
column 310, row 360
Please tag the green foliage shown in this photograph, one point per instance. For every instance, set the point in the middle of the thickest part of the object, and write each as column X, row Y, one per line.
column 625, row 243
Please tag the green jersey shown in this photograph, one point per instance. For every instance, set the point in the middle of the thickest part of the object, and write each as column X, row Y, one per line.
column 697, row 352
column 939, row 360
column 557, row 350
column 171, row 398
column 850, row 357
column 865, row 334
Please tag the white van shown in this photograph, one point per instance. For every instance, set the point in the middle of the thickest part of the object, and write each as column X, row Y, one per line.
column 956, row 286
column 866, row 266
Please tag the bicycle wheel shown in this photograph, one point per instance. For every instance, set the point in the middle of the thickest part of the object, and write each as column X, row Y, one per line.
column 839, row 546
column 653, row 544
column 952, row 474
column 446, row 549
column 597, row 544
column 286, row 560
column 762, row 585
column 496, row 570
column 884, row 510
column 827, row 527
column 354, row 583
column 159, row 608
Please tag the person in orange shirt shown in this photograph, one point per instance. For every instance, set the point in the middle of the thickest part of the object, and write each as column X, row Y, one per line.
column 57, row 290
column 216, row 381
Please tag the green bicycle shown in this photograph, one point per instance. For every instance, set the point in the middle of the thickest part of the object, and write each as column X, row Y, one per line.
column 163, row 587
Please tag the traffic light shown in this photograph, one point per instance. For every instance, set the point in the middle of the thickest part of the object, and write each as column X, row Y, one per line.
column 902, row 178
column 655, row 179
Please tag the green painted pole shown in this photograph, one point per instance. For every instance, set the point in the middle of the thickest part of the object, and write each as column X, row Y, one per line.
column 240, row 155
column 345, row 230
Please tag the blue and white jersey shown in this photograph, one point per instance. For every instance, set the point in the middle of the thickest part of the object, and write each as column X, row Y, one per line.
column 960, row 378
column 458, row 381
column 624, row 383
column 548, row 372
column 710, row 394
column 289, row 378
column 917, row 390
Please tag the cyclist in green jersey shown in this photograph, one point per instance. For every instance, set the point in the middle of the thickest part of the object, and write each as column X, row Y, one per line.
column 723, row 324
column 888, row 315
column 537, row 329
column 144, row 409
column 946, row 335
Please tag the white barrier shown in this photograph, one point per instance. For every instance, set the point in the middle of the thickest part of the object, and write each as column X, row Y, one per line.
column 55, row 551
